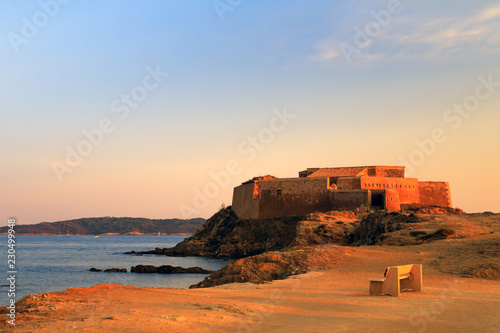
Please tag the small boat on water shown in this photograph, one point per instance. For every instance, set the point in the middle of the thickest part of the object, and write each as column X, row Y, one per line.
column 96, row 236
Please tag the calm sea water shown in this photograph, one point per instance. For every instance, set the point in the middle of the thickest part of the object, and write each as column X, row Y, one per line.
column 55, row 263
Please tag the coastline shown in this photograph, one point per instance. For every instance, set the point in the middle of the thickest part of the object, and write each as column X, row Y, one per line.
column 305, row 286
column 322, row 300
column 106, row 234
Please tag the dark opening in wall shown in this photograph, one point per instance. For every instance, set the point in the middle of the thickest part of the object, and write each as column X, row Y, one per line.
column 378, row 199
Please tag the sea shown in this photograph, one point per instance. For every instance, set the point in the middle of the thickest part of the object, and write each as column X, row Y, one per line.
column 54, row 263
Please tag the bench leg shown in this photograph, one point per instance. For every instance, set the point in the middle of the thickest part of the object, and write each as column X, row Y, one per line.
column 391, row 285
column 375, row 288
column 416, row 271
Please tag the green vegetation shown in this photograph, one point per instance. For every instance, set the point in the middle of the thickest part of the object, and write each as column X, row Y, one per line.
column 115, row 225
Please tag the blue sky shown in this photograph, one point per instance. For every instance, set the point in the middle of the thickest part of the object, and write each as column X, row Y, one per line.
column 225, row 78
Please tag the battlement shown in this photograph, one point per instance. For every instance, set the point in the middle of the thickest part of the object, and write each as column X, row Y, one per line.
column 376, row 171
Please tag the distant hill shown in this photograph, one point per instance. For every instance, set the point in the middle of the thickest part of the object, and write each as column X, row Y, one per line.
column 110, row 225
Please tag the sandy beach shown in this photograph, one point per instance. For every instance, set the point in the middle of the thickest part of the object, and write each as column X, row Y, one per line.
column 332, row 300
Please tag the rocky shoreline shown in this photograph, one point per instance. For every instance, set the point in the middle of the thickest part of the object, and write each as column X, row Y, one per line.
column 224, row 235
column 167, row 269
column 273, row 249
column 164, row 269
column 339, row 251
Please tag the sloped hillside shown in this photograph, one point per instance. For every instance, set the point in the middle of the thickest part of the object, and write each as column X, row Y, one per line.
column 110, row 225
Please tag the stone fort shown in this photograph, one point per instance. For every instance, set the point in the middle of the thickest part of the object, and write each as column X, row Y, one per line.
column 326, row 189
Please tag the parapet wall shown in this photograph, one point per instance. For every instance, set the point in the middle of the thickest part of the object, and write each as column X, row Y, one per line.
column 346, row 183
column 387, row 171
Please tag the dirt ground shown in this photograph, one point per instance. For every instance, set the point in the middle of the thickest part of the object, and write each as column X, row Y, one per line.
column 333, row 300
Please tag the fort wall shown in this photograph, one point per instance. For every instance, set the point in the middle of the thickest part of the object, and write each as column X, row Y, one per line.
column 244, row 203
column 392, row 202
column 346, row 183
column 407, row 188
column 325, row 189
column 348, row 199
column 435, row 193
column 292, row 196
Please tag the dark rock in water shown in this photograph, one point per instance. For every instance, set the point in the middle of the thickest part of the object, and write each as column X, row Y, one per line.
column 115, row 270
column 134, row 253
column 167, row 269
column 110, row 270
column 143, row 269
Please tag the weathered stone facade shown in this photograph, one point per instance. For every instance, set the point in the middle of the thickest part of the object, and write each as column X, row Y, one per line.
column 325, row 189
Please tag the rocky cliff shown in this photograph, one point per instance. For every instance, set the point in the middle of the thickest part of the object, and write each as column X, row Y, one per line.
column 225, row 235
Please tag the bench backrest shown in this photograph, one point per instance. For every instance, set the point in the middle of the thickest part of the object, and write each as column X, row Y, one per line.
column 402, row 270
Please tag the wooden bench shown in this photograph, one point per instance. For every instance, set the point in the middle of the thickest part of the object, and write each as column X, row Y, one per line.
column 397, row 278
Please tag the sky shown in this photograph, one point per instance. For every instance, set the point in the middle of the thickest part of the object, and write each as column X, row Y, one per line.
column 159, row 109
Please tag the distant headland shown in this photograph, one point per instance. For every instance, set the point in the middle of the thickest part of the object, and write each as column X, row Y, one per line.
column 111, row 226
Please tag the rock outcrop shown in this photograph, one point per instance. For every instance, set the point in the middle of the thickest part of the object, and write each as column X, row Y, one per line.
column 167, row 269
column 115, row 270
column 224, row 235
column 373, row 229
column 382, row 228
column 428, row 209
column 274, row 265
column 483, row 271
column 109, row 270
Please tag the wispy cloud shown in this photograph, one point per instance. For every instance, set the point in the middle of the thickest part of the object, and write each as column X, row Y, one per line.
column 490, row 13
column 416, row 37
column 326, row 51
